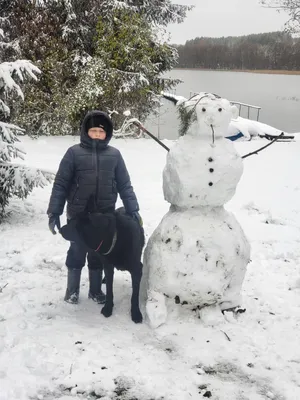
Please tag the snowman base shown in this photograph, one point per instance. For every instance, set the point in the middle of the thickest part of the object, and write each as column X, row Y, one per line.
column 194, row 259
column 211, row 316
column 157, row 307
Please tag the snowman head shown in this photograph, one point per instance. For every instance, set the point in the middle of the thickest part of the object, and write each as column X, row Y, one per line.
column 209, row 115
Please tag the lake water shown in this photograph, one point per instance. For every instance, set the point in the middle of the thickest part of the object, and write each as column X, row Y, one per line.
column 277, row 95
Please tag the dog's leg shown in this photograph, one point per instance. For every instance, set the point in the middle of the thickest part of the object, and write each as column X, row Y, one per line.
column 136, row 276
column 109, row 299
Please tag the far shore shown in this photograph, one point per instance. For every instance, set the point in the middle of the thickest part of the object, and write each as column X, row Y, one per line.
column 253, row 71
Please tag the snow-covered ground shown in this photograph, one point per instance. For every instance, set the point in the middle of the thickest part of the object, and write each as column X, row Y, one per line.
column 53, row 350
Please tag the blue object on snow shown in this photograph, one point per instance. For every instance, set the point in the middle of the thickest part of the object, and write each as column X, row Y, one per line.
column 235, row 137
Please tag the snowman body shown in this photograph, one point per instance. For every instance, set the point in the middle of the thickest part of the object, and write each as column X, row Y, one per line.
column 198, row 254
column 198, row 174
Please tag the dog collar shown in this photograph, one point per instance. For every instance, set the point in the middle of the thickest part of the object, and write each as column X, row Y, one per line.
column 113, row 243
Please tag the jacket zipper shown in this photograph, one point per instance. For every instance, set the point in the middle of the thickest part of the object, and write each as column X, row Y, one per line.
column 97, row 176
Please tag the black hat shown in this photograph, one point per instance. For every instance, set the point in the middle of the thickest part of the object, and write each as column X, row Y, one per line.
column 97, row 121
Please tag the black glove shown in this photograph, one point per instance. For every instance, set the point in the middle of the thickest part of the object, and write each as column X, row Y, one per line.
column 135, row 215
column 54, row 221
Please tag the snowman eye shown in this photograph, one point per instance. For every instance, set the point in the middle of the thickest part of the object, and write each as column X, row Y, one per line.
column 203, row 109
column 220, row 109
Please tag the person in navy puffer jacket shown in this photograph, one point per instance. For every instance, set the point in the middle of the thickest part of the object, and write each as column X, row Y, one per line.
column 90, row 175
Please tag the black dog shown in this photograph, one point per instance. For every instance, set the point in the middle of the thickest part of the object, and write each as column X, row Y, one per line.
column 119, row 240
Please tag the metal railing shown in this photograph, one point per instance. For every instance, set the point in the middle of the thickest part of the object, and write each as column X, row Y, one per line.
column 248, row 106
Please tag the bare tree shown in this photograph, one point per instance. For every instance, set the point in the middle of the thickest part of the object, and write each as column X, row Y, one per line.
column 292, row 7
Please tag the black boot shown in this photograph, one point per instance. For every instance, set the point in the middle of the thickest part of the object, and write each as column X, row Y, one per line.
column 73, row 286
column 95, row 292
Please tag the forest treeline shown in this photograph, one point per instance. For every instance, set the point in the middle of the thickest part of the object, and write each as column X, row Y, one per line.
column 269, row 51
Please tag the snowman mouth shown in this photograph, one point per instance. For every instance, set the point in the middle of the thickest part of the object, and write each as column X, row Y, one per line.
column 213, row 134
column 213, row 128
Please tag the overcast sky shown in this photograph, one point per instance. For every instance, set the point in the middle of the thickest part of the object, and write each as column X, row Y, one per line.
column 226, row 18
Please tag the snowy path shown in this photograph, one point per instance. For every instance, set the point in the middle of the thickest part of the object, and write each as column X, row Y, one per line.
column 52, row 350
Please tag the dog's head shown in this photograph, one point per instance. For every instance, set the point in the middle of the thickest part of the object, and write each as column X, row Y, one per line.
column 90, row 228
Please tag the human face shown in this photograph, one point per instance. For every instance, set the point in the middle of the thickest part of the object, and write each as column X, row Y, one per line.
column 97, row 133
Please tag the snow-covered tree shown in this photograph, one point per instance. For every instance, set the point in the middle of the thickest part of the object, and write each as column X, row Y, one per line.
column 61, row 38
column 15, row 180
column 36, row 29
column 125, row 71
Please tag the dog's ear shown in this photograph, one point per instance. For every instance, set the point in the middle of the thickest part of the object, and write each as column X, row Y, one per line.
column 97, row 219
column 82, row 218
column 110, row 223
column 100, row 220
column 69, row 231
column 105, row 224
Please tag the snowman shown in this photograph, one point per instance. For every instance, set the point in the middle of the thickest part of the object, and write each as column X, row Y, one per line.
column 197, row 257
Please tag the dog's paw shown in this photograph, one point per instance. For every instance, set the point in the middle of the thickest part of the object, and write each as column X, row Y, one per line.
column 136, row 316
column 107, row 311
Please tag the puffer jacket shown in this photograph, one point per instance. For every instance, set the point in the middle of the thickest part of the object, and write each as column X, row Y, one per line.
column 92, row 172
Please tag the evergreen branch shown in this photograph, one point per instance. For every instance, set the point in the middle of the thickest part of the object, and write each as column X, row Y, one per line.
column 4, row 108
column 9, row 132
column 47, row 173
column 16, row 180
column 22, row 69
column 9, row 151
column 187, row 118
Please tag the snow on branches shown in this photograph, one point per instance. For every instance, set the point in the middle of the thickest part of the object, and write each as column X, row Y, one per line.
column 19, row 180
column 10, row 74
column 15, row 180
